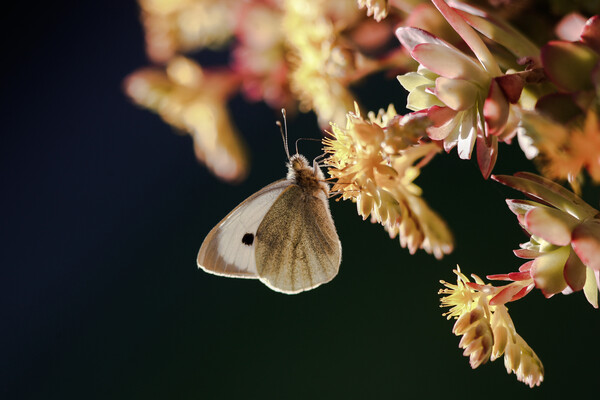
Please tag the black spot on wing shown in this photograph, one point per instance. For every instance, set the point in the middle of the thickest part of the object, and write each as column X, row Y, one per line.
column 248, row 239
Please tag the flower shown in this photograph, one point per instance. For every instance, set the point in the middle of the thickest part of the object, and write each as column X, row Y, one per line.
column 174, row 26
column 319, row 63
column 467, row 99
column 563, row 134
column 194, row 100
column 564, row 231
column 486, row 328
column 374, row 163
column 260, row 55
column 572, row 66
column 477, row 337
column 563, row 150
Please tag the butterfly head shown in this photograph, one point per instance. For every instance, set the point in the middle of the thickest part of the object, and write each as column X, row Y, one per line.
column 309, row 178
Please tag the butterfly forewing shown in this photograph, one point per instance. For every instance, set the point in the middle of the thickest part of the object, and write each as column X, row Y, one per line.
column 297, row 250
column 229, row 248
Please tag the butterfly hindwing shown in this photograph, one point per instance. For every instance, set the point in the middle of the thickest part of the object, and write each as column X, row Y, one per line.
column 298, row 250
column 229, row 248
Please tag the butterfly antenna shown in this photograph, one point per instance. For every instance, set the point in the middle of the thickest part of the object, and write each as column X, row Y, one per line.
column 311, row 139
column 284, row 135
column 319, row 158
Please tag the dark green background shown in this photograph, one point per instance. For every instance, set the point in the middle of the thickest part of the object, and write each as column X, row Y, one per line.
column 103, row 212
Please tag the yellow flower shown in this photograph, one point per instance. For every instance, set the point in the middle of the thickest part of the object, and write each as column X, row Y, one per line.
column 460, row 298
column 194, row 101
column 174, row 26
column 519, row 358
column 318, row 62
column 477, row 337
column 486, row 328
column 374, row 163
column 563, row 150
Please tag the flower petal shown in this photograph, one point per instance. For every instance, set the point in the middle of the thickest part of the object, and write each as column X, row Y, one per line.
column 450, row 63
column 471, row 38
column 505, row 295
column 569, row 65
column 547, row 271
column 550, row 224
column 420, row 99
column 511, row 85
column 526, row 267
column 520, row 207
column 574, row 272
column 411, row 37
column 487, row 153
column 443, row 122
column 412, row 80
column 526, row 253
column 570, row 27
column 495, row 109
column 523, row 292
column 586, row 243
column 519, row 276
column 591, row 33
column 591, row 286
column 452, row 139
column 467, row 135
column 457, row 94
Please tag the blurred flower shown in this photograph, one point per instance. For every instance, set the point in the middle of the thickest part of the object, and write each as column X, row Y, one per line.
column 260, row 54
column 174, row 26
column 319, row 63
column 194, row 101
column 570, row 27
column 374, row 163
column 565, row 238
column 563, row 134
column 563, row 151
column 572, row 66
column 487, row 330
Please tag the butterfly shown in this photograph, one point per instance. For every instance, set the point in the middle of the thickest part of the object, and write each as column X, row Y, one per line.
column 283, row 234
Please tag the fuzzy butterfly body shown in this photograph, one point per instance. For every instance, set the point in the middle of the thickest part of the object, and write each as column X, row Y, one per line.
column 282, row 235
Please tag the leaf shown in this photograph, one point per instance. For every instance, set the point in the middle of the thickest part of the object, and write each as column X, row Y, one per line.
column 548, row 192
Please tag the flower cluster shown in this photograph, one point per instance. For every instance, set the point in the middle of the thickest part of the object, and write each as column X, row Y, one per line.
column 564, row 244
column 375, row 162
column 473, row 82
column 175, row 26
column 487, row 330
column 297, row 55
column 564, row 254
column 562, row 135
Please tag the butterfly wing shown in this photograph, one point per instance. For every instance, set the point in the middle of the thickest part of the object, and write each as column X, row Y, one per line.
column 229, row 248
column 297, row 246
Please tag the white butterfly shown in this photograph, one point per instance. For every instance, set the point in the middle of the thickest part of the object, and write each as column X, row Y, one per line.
column 282, row 235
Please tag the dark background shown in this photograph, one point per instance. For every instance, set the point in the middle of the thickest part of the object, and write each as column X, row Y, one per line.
column 103, row 212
